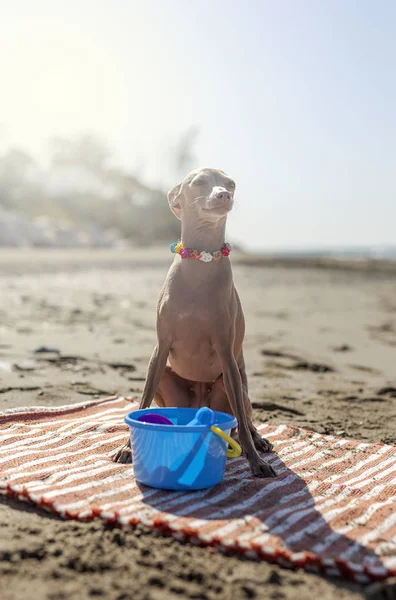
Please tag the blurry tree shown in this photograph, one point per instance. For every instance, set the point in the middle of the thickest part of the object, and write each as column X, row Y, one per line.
column 184, row 155
column 19, row 179
column 109, row 196
column 89, row 151
column 16, row 165
column 82, row 189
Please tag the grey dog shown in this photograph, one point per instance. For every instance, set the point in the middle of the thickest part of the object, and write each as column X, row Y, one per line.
column 200, row 322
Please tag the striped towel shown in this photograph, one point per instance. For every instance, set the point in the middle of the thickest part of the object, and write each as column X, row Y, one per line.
column 331, row 509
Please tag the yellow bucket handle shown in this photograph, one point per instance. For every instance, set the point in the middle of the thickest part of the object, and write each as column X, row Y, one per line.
column 235, row 449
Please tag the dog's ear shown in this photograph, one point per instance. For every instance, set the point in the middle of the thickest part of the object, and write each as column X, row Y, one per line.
column 174, row 200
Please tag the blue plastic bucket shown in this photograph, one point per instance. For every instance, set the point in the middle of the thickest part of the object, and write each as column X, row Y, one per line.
column 178, row 457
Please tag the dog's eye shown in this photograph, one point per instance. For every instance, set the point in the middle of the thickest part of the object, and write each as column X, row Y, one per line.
column 198, row 181
column 231, row 185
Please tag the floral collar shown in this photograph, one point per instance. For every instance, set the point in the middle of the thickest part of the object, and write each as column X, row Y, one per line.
column 178, row 248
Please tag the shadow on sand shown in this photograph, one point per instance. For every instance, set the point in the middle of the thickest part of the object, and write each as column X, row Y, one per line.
column 282, row 508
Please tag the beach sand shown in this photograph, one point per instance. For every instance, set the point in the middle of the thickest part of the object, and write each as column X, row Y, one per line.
column 320, row 352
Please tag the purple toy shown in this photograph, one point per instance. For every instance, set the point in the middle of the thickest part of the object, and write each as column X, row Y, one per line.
column 156, row 419
column 204, row 416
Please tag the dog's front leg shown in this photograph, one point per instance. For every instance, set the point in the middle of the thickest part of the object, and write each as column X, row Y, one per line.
column 260, row 443
column 155, row 371
column 233, row 387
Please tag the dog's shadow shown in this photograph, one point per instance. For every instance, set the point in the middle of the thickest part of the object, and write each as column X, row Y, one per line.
column 281, row 509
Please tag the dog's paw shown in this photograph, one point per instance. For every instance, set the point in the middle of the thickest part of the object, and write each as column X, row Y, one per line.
column 261, row 444
column 124, row 455
column 261, row 469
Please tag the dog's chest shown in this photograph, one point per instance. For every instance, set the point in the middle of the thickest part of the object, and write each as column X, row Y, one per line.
column 193, row 323
column 192, row 354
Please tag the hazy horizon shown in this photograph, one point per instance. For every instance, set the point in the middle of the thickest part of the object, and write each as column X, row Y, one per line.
column 295, row 99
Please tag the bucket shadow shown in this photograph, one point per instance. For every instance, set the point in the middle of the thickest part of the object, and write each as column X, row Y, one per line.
column 282, row 508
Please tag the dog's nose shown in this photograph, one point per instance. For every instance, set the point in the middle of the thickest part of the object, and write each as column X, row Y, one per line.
column 223, row 195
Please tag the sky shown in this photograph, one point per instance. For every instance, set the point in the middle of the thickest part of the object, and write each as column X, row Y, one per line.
column 295, row 99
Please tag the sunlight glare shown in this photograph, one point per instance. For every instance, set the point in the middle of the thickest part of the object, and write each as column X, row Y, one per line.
column 56, row 80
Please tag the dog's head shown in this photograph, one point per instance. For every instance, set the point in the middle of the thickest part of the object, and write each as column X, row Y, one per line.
column 207, row 193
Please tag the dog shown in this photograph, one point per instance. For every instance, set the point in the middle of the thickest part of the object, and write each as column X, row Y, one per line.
column 200, row 322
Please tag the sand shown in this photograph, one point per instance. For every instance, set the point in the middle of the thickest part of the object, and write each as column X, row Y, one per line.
column 320, row 352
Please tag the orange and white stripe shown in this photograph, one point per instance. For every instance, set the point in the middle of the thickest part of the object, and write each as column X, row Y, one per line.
column 331, row 508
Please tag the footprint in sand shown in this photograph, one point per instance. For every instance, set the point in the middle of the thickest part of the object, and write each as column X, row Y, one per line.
column 385, row 332
column 365, row 369
column 314, row 367
column 342, row 348
column 387, row 391
column 298, row 364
